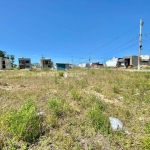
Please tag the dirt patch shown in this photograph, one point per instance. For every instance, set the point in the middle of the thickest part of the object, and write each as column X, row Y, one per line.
column 103, row 98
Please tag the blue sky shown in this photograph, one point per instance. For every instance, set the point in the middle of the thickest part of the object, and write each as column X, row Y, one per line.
column 73, row 30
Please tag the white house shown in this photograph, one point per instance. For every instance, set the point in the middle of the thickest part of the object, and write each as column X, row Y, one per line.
column 112, row 63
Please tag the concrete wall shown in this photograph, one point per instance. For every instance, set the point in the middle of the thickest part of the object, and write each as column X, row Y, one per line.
column 67, row 66
column 7, row 64
column 145, row 63
column 135, row 60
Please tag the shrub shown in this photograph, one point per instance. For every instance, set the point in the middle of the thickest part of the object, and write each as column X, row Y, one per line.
column 24, row 123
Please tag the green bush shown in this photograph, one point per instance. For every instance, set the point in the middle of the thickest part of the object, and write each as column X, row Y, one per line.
column 24, row 123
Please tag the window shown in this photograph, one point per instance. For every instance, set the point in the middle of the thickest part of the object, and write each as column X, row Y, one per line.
column 46, row 62
column 27, row 61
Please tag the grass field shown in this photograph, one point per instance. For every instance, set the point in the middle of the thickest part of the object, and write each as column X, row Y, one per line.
column 42, row 109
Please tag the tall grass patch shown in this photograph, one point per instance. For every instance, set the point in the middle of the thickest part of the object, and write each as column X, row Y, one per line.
column 99, row 120
column 24, row 124
column 57, row 110
column 146, row 139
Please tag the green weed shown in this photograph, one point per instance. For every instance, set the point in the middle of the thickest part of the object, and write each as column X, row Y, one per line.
column 24, row 123
column 55, row 79
column 83, row 83
column 99, row 119
column 60, row 73
column 55, row 106
column 57, row 109
column 146, row 142
column 76, row 95
column 116, row 89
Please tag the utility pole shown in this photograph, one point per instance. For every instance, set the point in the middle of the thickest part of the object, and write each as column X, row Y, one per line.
column 140, row 43
column 72, row 62
column 89, row 59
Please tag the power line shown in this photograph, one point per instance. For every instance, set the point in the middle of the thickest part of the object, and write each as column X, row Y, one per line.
column 109, row 42
column 145, row 36
column 119, row 46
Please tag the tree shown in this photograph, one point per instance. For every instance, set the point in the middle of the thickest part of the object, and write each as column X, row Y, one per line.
column 12, row 59
column 2, row 53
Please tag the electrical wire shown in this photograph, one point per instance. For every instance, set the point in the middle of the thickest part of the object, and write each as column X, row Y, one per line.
column 109, row 42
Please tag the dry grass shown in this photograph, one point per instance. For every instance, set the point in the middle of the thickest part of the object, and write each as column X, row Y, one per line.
column 73, row 112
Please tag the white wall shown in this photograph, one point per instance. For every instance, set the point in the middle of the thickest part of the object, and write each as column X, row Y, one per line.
column 112, row 63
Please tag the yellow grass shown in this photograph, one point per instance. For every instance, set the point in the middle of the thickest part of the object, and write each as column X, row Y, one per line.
column 64, row 105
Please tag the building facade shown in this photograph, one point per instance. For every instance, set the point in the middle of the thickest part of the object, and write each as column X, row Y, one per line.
column 24, row 63
column 46, row 63
column 112, row 63
column 62, row 66
column 131, row 61
column 145, row 60
column 5, row 63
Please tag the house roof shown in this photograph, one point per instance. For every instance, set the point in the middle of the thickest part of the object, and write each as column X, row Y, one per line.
column 62, row 63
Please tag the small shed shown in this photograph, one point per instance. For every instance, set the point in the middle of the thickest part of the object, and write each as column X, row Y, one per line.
column 5, row 63
column 62, row 66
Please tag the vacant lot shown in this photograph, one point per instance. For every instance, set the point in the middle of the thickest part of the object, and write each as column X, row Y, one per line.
column 42, row 110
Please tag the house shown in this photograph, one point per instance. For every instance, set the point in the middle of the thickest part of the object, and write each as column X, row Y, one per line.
column 145, row 60
column 62, row 66
column 24, row 63
column 83, row 65
column 46, row 63
column 133, row 60
column 120, row 62
column 112, row 63
column 96, row 65
column 5, row 63
column 130, row 61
